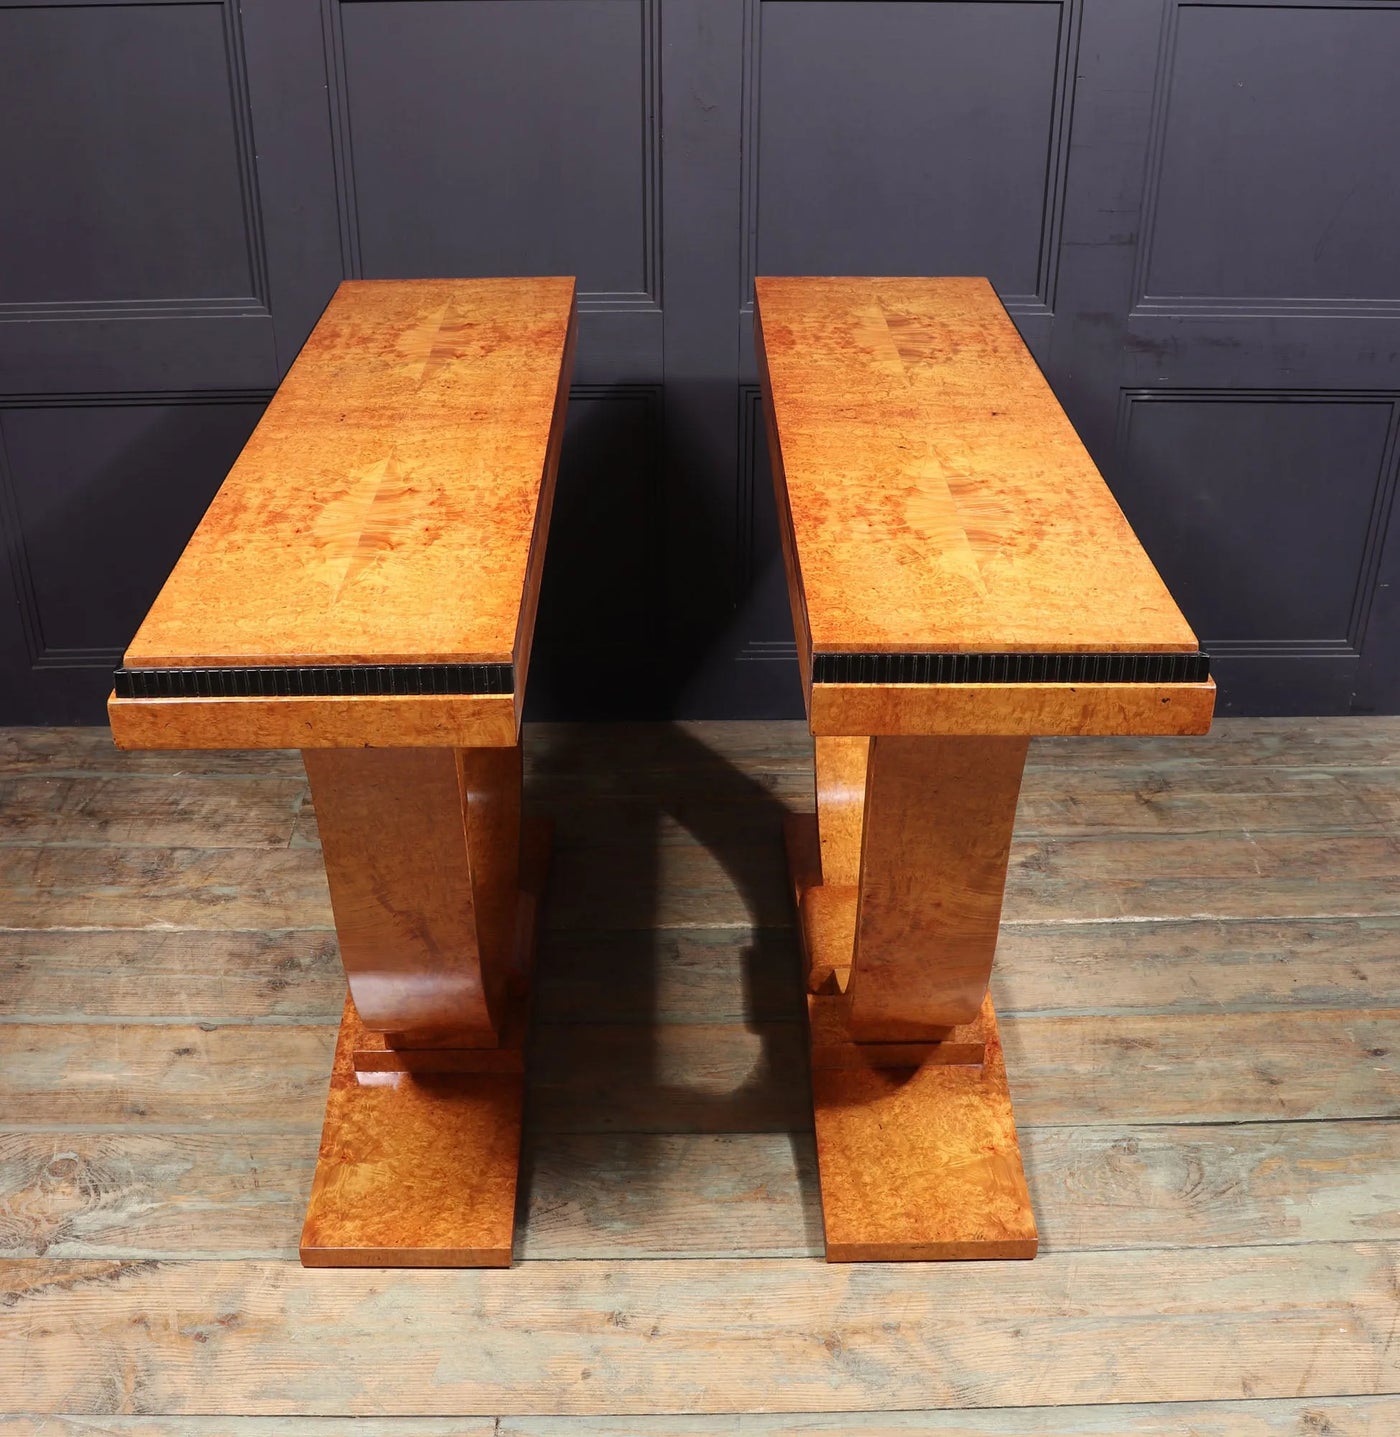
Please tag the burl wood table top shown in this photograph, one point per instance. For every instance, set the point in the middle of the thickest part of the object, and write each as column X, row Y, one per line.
column 938, row 498
column 385, row 509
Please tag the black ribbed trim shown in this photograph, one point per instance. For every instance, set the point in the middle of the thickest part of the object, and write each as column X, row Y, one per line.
column 315, row 681
column 1010, row 668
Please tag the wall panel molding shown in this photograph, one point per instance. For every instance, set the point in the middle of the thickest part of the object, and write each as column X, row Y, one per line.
column 254, row 305
column 42, row 654
column 119, row 309
column 748, row 152
column 649, row 297
column 1382, row 502
column 751, row 436
column 1199, row 306
column 1041, row 301
column 247, row 150
column 650, row 396
column 17, row 557
column 599, row 643
column 93, row 4
column 752, row 441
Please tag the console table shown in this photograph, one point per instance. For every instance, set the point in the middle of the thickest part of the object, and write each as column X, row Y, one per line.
column 961, row 579
column 363, row 588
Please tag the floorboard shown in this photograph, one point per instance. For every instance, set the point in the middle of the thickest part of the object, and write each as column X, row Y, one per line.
column 1328, row 1417
column 689, row 1335
column 174, row 1194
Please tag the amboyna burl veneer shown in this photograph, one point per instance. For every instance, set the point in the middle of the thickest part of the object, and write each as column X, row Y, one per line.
column 961, row 579
column 363, row 588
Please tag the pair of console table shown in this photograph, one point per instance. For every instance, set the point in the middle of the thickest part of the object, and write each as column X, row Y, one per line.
column 364, row 587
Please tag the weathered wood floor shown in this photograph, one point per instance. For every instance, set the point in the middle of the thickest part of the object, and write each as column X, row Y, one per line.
column 1200, row 983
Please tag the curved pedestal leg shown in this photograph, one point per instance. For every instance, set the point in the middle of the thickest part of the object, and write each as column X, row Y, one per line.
column 938, row 820
column 434, row 887
column 916, row 1143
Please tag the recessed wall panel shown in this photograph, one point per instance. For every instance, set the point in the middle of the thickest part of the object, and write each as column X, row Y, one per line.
column 106, row 497
column 1276, row 170
column 119, row 170
column 494, row 137
column 596, row 632
column 1257, row 512
column 906, row 138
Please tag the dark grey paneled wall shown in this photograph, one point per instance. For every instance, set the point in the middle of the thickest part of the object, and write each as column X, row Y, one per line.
column 1228, row 325
column 1192, row 210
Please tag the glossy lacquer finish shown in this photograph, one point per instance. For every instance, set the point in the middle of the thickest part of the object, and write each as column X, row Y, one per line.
column 421, row 1144
column 934, row 500
column 415, row 1170
column 422, row 852
column 391, row 508
column 391, row 511
column 938, row 497
column 384, row 510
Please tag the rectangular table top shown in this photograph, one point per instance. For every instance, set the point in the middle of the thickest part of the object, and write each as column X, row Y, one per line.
column 937, row 498
column 387, row 509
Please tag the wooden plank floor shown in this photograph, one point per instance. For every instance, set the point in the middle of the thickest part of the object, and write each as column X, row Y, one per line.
column 1199, row 977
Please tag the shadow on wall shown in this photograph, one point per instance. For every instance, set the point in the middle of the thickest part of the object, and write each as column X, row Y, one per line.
column 663, row 592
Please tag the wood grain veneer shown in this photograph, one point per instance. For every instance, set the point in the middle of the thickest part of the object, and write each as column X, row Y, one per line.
column 372, row 721
column 391, row 508
column 936, row 496
column 922, row 1163
column 387, row 507
column 420, row 1148
column 841, row 774
column 415, row 1169
column 938, row 820
column 364, row 588
column 961, row 579
column 417, row 887
column 1027, row 709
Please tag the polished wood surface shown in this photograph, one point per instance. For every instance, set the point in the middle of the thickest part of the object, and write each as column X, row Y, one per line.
column 415, row 1169
column 935, row 495
column 841, row 774
column 933, row 498
column 827, row 926
column 391, row 507
column 1197, row 969
column 923, row 1163
column 434, row 884
column 503, row 1049
column 366, row 721
column 422, row 850
column 916, row 1143
column 420, row 1147
column 938, row 820
column 1028, row 709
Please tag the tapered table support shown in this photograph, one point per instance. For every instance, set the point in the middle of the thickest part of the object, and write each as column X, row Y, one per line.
column 937, row 835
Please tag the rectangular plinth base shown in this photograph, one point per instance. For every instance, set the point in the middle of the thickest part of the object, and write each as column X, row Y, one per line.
column 420, row 1150
column 916, row 1144
column 415, row 1169
column 921, row 1163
